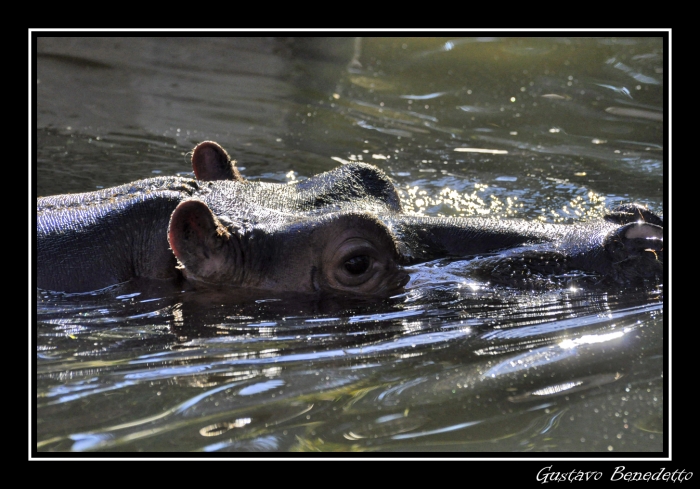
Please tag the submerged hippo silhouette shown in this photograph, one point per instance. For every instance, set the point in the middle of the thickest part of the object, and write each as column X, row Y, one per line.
column 342, row 231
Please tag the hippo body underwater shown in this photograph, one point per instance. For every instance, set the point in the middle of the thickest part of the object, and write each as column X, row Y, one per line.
column 342, row 231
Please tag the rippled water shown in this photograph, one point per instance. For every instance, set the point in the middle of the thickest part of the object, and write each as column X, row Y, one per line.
column 550, row 128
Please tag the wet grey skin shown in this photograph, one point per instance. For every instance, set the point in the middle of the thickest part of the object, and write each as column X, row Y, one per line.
column 339, row 232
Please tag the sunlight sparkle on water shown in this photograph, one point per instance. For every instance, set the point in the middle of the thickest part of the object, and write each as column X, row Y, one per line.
column 555, row 389
column 464, row 204
column 340, row 160
column 590, row 339
column 220, row 428
column 482, row 150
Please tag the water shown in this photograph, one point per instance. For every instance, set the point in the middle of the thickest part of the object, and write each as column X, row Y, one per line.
column 549, row 128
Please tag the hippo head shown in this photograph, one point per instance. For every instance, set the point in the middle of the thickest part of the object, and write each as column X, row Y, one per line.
column 342, row 252
column 339, row 232
column 219, row 240
column 635, row 252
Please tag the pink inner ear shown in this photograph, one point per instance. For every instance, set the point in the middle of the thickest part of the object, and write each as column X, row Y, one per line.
column 211, row 162
column 185, row 223
column 205, row 158
column 198, row 241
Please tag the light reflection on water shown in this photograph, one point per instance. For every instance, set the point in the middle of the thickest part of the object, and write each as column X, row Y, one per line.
column 550, row 129
column 449, row 355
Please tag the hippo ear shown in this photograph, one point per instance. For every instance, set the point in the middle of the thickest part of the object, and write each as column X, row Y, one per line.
column 211, row 162
column 203, row 246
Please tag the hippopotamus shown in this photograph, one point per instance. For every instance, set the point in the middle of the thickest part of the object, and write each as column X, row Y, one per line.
column 338, row 232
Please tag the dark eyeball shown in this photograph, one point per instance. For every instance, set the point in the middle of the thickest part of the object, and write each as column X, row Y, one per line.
column 358, row 265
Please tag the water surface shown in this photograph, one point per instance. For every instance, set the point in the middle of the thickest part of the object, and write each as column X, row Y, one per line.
column 550, row 128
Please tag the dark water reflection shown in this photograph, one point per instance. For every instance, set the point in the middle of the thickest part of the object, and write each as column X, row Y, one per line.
column 546, row 128
column 368, row 377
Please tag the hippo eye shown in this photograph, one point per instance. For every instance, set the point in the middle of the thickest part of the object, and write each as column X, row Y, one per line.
column 357, row 265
